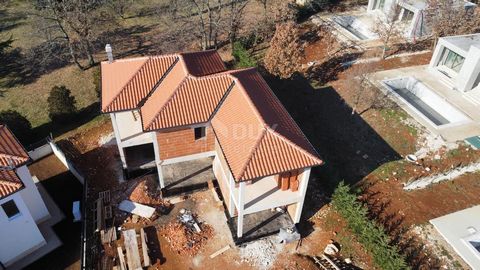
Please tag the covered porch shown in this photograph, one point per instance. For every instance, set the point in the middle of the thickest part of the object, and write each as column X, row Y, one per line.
column 251, row 203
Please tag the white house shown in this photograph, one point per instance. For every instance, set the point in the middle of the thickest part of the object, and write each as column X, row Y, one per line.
column 444, row 96
column 21, row 206
column 456, row 60
column 411, row 15
column 182, row 107
column 461, row 230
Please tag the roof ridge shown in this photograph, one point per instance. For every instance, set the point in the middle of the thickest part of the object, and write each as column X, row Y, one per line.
column 164, row 106
column 280, row 136
column 249, row 101
column 129, row 81
column 252, row 152
column 287, row 113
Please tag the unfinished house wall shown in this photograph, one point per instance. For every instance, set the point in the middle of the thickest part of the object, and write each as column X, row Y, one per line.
column 182, row 142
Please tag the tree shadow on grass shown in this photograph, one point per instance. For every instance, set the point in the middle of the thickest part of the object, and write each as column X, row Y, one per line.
column 350, row 147
column 84, row 116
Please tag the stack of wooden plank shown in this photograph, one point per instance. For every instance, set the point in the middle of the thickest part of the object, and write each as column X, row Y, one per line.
column 132, row 251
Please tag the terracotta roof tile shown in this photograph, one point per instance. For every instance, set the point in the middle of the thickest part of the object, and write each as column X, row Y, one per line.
column 125, row 83
column 203, row 63
column 12, row 152
column 9, row 182
column 257, row 135
column 193, row 102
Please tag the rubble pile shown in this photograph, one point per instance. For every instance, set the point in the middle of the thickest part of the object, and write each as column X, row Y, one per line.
column 187, row 236
column 147, row 193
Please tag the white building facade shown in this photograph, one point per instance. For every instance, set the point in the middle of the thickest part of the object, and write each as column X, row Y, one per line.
column 21, row 205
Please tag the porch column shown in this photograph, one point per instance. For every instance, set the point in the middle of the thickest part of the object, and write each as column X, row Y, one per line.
column 231, row 198
column 371, row 5
column 241, row 195
column 119, row 141
column 158, row 161
column 303, row 191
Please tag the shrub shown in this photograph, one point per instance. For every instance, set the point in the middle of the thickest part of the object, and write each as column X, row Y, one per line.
column 61, row 104
column 369, row 234
column 242, row 57
column 285, row 54
column 18, row 124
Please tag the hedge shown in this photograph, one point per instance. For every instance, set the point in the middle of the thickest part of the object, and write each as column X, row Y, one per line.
column 369, row 234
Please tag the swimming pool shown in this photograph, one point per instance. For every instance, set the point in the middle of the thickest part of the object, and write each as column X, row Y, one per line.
column 355, row 27
column 425, row 102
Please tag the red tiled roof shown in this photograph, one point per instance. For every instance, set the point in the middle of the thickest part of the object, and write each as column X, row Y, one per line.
column 12, row 152
column 257, row 135
column 126, row 83
column 192, row 102
column 203, row 63
column 9, row 182
column 182, row 98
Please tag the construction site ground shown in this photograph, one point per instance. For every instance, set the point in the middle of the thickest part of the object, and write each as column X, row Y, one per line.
column 365, row 150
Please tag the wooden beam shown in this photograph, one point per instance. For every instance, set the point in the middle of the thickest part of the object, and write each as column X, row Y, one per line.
column 131, row 245
column 123, row 266
column 143, row 237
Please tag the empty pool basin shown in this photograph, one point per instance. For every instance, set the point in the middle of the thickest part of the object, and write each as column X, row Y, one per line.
column 355, row 27
column 429, row 105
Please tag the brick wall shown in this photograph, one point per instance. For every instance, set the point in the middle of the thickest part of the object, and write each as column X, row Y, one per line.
column 182, row 143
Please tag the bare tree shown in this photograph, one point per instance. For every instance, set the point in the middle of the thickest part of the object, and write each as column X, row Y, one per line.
column 285, row 54
column 363, row 93
column 235, row 16
column 120, row 7
column 206, row 19
column 388, row 28
column 77, row 23
column 450, row 17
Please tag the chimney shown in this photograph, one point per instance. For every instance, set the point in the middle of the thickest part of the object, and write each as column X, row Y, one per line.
column 108, row 50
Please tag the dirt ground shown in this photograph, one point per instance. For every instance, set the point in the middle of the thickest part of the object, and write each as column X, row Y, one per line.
column 382, row 183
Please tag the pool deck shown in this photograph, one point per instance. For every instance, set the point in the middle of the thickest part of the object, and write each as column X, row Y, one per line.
column 450, row 133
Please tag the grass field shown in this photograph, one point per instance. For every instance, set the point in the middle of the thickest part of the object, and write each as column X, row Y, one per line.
column 28, row 95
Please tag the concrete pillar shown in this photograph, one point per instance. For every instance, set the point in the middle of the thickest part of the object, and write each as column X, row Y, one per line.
column 119, row 141
column 241, row 202
column 231, row 198
column 158, row 161
column 303, row 191
column 371, row 5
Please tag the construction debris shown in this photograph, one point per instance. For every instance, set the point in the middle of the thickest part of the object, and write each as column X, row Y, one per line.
column 136, row 208
column 184, row 237
column 261, row 253
column 288, row 235
column 331, row 249
column 220, row 251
